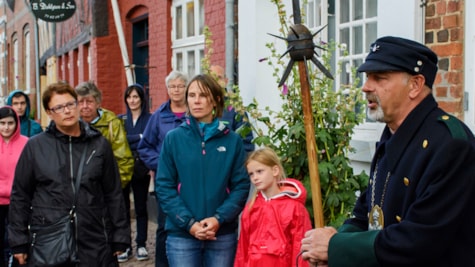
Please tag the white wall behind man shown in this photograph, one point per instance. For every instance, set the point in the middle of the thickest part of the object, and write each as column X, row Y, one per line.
column 256, row 20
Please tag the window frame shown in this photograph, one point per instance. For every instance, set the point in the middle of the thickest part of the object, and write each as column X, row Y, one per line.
column 15, row 59
column 183, row 47
column 27, row 58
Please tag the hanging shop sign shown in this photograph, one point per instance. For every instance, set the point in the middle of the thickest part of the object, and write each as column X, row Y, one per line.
column 53, row 10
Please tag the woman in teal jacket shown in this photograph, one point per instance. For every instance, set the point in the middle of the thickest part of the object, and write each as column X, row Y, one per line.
column 202, row 182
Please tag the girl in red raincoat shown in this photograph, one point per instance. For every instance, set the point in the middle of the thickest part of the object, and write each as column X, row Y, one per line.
column 275, row 220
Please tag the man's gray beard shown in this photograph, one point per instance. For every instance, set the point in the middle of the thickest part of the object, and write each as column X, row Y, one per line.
column 376, row 115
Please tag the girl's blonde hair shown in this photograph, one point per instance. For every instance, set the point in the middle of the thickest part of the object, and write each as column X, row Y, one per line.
column 268, row 157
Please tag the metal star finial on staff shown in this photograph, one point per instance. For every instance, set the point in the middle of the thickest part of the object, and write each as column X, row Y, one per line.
column 301, row 48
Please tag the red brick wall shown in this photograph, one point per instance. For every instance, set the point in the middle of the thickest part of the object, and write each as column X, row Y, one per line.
column 107, row 69
column 444, row 34
column 215, row 19
column 160, row 26
column 106, row 63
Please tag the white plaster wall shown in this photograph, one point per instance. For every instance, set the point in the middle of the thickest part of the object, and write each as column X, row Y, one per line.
column 403, row 18
column 256, row 20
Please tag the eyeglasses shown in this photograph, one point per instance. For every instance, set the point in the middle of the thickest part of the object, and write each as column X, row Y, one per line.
column 60, row 108
column 181, row 86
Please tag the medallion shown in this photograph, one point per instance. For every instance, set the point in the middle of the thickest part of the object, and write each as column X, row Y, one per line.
column 376, row 218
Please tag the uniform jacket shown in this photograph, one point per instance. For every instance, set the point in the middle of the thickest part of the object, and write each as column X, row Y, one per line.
column 428, row 203
column 113, row 130
column 272, row 230
column 9, row 154
column 200, row 178
column 28, row 126
column 160, row 123
column 43, row 192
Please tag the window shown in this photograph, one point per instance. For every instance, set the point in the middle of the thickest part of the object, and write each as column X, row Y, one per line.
column 187, row 35
column 313, row 14
column 27, row 61
column 355, row 29
column 16, row 70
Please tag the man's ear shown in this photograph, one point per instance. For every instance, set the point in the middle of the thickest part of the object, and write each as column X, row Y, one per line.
column 417, row 84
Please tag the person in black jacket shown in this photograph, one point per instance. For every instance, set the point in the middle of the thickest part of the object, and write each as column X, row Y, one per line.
column 418, row 208
column 43, row 190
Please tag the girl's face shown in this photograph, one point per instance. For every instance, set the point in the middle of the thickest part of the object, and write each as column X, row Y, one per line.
column 133, row 100
column 200, row 103
column 264, row 177
column 7, row 127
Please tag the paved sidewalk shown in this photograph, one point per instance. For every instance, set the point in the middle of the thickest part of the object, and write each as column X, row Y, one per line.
column 152, row 228
column 133, row 262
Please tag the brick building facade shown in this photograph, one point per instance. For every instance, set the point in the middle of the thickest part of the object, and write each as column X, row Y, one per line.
column 445, row 35
column 86, row 47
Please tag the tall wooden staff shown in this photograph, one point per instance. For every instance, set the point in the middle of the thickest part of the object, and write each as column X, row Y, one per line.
column 301, row 48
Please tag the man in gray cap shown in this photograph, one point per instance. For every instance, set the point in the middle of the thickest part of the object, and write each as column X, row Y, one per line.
column 418, row 209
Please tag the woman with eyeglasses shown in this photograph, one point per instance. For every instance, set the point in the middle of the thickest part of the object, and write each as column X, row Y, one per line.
column 44, row 186
column 167, row 117
column 11, row 145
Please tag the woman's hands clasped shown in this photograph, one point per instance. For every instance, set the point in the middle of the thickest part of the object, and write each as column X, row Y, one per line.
column 205, row 229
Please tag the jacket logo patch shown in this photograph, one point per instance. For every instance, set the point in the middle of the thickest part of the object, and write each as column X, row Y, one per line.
column 221, row 149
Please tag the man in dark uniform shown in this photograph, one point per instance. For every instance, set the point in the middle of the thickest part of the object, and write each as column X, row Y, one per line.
column 419, row 207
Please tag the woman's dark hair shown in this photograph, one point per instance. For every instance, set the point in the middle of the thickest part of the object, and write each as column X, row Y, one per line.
column 6, row 112
column 140, row 91
column 208, row 84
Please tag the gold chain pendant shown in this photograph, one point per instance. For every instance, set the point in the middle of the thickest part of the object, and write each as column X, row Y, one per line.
column 376, row 218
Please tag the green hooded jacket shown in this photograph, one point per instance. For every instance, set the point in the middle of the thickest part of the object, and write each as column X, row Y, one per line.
column 113, row 130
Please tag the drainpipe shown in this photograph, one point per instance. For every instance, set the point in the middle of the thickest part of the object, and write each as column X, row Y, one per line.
column 37, row 71
column 122, row 43
column 37, row 63
column 229, row 24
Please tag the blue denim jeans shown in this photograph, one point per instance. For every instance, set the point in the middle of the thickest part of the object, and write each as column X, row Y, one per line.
column 191, row 252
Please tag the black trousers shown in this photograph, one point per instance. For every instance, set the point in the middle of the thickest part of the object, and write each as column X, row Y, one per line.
column 139, row 185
